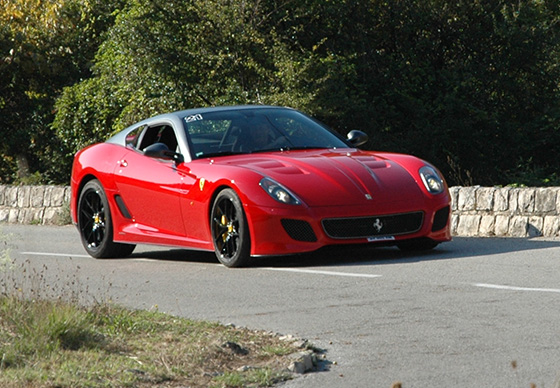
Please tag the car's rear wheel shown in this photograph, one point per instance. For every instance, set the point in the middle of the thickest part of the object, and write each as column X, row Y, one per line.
column 95, row 224
column 230, row 230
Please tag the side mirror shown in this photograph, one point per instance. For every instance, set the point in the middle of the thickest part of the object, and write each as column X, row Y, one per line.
column 161, row 151
column 357, row 138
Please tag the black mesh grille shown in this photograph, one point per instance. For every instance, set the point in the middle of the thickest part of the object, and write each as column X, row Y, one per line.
column 299, row 230
column 373, row 226
column 440, row 219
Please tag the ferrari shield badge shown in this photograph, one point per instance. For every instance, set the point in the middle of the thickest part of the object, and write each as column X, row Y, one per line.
column 201, row 183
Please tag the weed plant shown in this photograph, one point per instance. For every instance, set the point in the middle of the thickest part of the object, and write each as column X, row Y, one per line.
column 54, row 333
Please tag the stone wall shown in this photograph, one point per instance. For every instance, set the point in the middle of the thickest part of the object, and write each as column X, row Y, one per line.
column 476, row 211
column 506, row 211
column 35, row 204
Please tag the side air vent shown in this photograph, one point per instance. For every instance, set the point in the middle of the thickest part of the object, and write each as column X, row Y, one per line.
column 440, row 219
column 299, row 230
column 122, row 207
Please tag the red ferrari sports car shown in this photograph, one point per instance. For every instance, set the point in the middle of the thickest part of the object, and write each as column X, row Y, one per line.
column 251, row 181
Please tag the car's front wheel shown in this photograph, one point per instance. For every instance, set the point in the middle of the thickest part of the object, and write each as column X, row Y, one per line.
column 95, row 225
column 230, row 230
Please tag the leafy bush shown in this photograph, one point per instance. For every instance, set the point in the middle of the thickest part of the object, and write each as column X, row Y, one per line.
column 469, row 86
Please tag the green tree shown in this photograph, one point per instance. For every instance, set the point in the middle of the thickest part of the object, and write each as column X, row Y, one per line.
column 471, row 86
column 44, row 45
column 161, row 57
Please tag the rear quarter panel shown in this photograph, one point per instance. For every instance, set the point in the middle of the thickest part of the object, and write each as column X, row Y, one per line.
column 97, row 161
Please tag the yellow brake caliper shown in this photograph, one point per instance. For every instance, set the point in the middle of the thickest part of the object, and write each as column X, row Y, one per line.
column 96, row 221
column 230, row 228
column 224, row 222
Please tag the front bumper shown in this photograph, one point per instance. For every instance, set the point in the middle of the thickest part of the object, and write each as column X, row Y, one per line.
column 298, row 229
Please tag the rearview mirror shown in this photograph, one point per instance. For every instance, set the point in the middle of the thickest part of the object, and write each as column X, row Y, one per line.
column 357, row 138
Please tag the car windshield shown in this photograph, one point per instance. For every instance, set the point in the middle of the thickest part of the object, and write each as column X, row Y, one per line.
column 256, row 130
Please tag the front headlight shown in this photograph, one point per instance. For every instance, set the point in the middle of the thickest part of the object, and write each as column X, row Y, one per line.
column 432, row 180
column 278, row 192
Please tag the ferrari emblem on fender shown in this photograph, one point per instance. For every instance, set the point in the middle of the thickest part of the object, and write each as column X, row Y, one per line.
column 201, row 183
column 378, row 225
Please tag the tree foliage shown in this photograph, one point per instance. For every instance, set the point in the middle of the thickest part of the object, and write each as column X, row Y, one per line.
column 170, row 56
column 471, row 86
column 44, row 46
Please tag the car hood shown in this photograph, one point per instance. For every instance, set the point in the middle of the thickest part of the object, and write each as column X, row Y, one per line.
column 336, row 177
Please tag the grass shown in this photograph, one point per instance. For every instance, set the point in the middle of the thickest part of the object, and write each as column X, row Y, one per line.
column 60, row 336
column 54, row 343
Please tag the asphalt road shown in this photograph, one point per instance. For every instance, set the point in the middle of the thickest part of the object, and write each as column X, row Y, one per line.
column 472, row 313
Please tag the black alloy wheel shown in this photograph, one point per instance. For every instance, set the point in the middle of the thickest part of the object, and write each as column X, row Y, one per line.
column 230, row 231
column 95, row 226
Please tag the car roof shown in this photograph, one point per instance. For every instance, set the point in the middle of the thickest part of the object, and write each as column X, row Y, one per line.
column 188, row 112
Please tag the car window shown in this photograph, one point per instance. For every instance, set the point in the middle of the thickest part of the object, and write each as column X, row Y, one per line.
column 133, row 137
column 159, row 134
column 304, row 133
column 256, row 130
column 210, row 136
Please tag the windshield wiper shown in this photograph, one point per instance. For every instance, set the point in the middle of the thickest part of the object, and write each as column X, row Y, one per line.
column 273, row 149
column 219, row 153
column 304, row 148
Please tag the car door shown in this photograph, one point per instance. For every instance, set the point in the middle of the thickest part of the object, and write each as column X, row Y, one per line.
column 151, row 188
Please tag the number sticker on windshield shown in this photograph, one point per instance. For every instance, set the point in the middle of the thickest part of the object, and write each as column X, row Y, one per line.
column 193, row 118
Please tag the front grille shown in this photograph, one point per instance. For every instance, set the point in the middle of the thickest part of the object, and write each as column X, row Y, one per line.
column 299, row 230
column 360, row 227
column 440, row 219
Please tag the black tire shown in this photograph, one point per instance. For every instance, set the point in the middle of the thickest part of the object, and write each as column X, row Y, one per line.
column 230, row 231
column 95, row 224
column 421, row 244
